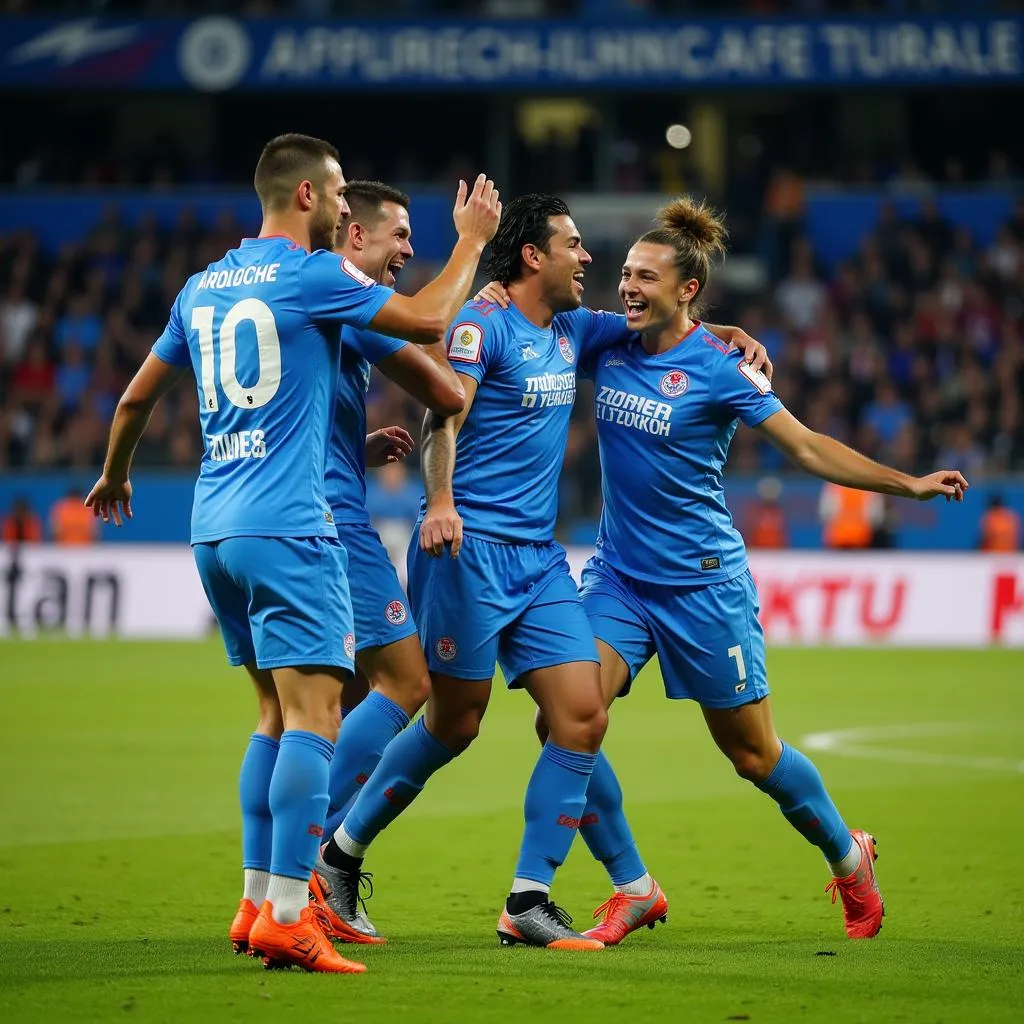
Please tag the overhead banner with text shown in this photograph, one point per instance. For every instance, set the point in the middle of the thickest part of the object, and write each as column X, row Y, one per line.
column 218, row 53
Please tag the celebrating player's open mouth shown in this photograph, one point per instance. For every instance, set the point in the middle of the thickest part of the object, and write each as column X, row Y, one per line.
column 577, row 281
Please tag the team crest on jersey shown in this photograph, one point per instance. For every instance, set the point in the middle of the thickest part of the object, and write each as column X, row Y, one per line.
column 674, row 384
column 565, row 347
column 355, row 273
column 395, row 613
column 350, row 645
column 446, row 648
column 465, row 343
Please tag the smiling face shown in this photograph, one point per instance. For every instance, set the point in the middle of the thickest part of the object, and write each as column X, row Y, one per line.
column 651, row 291
column 562, row 267
column 387, row 245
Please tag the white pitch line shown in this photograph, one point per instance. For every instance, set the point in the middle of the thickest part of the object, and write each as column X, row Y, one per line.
column 863, row 742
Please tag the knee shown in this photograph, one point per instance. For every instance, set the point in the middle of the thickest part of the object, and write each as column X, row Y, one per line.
column 416, row 693
column 753, row 765
column 456, row 732
column 583, row 732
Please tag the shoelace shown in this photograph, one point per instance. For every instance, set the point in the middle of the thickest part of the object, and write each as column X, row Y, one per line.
column 352, row 891
column 553, row 910
column 609, row 906
column 836, row 886
column 323, row 922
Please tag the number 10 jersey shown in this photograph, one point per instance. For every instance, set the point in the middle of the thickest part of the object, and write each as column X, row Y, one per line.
column 261, row 329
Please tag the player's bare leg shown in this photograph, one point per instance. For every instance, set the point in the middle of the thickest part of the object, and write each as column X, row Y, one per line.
column 746, row 735
column 569, row 697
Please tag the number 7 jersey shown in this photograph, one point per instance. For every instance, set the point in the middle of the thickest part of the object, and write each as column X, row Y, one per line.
column 261, row 329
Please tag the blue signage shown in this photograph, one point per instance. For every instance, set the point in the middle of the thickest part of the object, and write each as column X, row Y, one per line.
column 217, row 53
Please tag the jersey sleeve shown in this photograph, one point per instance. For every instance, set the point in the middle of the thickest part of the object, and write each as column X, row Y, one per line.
column 334, row 288
column 172, row 346
column 373, row 347
column 745, row 394
column 475, row 341
column 598, row 330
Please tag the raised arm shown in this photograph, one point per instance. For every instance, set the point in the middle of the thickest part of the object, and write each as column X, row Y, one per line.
column 425, row 373
column 423, row 318
column 827, row 458
column 442, row 524
column 111, row 495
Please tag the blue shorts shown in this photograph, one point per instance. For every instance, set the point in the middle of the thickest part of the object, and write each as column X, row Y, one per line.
column 378, row 601
column 280, row 601
column 514, row 604
column 708, row 639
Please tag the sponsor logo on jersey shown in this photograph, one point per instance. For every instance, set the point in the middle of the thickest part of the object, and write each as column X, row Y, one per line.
column 329, row 517
column 242, row 444
column 548, row 389
column 674, row 384
column 395, row 613
column 465, row 343
column 350, row 645
column 615, row 361
column 565, row 347
column 446, row 648
column 756, row 377
column 528, row 353
column 612, row 405
column 355, row 273
column 707, row 564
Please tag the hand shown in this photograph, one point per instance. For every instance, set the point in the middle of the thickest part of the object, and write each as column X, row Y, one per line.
column 110, row 499
column 947, row 482
column 477, row 217
column 441, row 525
column 753, row 351
column 494, row 291
column 389, row 444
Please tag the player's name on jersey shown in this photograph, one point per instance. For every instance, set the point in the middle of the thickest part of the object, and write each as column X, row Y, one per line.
column 548, row 389
column 242, row 444
column 264, row 274
column 629, row 410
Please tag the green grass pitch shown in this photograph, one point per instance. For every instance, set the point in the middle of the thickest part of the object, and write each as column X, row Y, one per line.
column 119, row 852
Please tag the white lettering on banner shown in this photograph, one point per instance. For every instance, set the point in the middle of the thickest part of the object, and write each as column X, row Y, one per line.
column 732, row 52
column 874, row 599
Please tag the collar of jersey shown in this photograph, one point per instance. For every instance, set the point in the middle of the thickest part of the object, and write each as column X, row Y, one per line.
column 270, row 238
column 544, row 332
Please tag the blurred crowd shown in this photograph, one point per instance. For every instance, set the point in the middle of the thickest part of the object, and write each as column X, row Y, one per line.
column 911, row 350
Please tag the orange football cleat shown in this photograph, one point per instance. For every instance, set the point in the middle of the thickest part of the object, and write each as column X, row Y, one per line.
column 242, row 925
column 303, row 944
column 624, row 913
column 863, row 908
column 320, row 894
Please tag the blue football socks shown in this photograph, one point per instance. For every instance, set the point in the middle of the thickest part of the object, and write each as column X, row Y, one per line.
column 555, row 798
column 796, row 786
column 604, row 828
column 298, row 802
column 366, row 731
column 254, row 796
column 408, row 761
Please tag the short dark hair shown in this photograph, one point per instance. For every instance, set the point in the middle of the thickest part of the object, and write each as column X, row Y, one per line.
column 524, row 221
column 287, row 160
column 365, row 199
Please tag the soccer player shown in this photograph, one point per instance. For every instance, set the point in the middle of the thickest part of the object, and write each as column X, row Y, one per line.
column 377, row 238
column 670, row 573
column 261, row 330
column 499, row 589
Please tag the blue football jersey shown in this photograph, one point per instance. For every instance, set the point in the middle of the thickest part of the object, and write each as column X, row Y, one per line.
column 346, row 463
column 510, row 449
column 261, row 329
column 664, row 425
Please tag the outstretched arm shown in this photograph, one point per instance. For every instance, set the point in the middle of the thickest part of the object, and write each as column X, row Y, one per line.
column 827, row 458
column 111, row 495
column 442, row 524
column 425, row 373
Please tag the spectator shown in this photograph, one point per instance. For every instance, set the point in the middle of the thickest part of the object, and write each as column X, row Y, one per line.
column 71, row 523
column 888, row 414
column 849, row 517
column 766, row 521
column 21, row 525
column 801, row 296
column 1000, row 527
column 18, row 316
